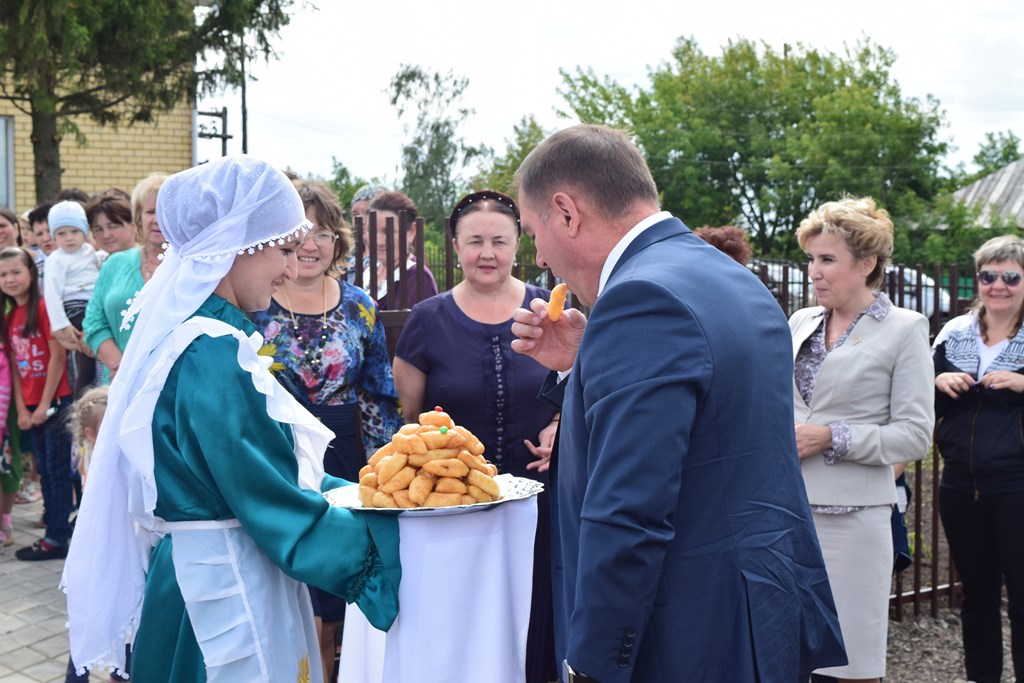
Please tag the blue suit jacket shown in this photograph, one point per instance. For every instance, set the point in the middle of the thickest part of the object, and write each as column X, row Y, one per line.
column 683, row 541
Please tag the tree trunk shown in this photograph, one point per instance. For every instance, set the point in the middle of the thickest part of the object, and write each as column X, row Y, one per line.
column 46, row 150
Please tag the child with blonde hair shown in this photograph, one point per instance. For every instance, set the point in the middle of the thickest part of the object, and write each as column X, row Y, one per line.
column 84, row 423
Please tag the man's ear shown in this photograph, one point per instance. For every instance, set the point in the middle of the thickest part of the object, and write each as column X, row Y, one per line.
column 567, row 211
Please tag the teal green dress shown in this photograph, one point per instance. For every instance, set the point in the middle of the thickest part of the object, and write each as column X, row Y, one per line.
column 119, row 282
column 219, row 456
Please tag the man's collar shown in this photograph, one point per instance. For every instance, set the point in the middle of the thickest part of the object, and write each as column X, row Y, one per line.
column 623, row 244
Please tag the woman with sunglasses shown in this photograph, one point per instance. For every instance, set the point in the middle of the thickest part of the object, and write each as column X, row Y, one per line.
column 979, row 398
column 329, row 338
column 862, row 398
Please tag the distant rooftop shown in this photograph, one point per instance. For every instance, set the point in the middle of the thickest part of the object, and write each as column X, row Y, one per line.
column 1001, row 193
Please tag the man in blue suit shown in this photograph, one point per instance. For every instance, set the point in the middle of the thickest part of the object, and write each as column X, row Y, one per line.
column 684, row 550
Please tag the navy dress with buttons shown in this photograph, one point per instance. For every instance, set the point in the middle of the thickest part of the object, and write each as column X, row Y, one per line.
column 473, row 373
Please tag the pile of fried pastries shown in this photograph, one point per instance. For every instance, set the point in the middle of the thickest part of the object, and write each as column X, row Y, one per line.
column 431, row 464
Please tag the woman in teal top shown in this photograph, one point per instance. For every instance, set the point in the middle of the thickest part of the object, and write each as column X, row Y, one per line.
column 125, row 271
column 205, row 490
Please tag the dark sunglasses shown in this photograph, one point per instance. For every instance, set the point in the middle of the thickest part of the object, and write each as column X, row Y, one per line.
column 1010, row 277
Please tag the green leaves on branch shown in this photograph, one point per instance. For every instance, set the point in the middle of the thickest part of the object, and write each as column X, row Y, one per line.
column 434, row 155
column 757, row 137
column 120, row 61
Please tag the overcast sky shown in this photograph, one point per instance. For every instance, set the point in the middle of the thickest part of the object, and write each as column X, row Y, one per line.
column 325, row 96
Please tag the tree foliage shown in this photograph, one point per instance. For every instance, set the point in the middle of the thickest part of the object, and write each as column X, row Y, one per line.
column 344, row 184
column 759, row 138
column 120, row 62
column 998, row 150
column 497, row 175
column 435, row 153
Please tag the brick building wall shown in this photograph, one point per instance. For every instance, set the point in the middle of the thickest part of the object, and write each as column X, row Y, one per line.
column 111, row 157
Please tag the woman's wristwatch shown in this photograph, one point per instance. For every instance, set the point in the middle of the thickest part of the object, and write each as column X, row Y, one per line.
column 571, row 676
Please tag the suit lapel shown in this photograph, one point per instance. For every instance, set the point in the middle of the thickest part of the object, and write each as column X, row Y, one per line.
column 806, row 328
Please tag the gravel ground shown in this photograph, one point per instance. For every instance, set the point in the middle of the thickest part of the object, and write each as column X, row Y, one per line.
column 929, row 649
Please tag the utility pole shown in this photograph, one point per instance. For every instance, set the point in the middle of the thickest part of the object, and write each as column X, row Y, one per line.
column 214, row 131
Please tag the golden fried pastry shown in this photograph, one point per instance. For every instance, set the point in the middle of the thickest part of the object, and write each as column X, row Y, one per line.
column 435, row 463
column 485, row 483
column 403, row 500
column 450, row 467
column 389, row 466
column 400, row 481
column 473, row 444
column 408, row 443
column 556, row 305
column 450, row 485
column 421, row 459
column 442, row 500
column 420, row 488
column 366, row 495
column 383, row 500
column 385, row 450
column 478, row 494
column 436, row 417
column 474, row 462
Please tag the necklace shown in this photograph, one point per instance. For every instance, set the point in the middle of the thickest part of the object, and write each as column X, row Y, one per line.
column 312, row 355
column 147, row 270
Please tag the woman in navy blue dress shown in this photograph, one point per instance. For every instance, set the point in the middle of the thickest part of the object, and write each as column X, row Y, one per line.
column 455, row 352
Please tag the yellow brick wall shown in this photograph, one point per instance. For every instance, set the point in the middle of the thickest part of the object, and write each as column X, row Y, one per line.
column 111, row 157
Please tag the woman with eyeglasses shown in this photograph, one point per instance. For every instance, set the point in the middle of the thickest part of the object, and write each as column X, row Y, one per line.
column 328, row 336
column 862, row 398
column 979, row 400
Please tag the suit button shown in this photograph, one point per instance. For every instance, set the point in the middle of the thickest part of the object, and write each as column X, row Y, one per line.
column 630, row 632
column 623, row 662
column 627, row 643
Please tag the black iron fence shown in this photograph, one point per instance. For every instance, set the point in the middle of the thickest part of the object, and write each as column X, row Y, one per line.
column 939, row 293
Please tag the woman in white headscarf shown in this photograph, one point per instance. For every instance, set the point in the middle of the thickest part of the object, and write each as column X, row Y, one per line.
column 204, row 494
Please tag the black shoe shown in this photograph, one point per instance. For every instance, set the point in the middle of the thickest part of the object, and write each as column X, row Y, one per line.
column 41, row 550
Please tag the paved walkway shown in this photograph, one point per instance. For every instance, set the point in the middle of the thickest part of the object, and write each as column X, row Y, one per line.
column 33, row 637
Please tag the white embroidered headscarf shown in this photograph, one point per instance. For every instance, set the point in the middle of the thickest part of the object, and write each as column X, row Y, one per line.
column 209, row 214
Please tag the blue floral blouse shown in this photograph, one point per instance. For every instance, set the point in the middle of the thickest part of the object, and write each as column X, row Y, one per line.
column 341, row 364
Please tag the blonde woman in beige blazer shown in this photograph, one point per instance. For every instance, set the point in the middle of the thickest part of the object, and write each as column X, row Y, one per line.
column 863, row 401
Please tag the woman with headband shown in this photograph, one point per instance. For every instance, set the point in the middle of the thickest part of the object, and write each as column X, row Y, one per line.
column 455, row 351
column 203, row 516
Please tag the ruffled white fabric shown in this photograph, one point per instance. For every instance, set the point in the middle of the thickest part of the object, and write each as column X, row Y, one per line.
column 208, row 214
column 252, row 621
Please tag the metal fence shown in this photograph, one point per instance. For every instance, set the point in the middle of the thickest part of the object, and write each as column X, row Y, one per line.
column 939, row 293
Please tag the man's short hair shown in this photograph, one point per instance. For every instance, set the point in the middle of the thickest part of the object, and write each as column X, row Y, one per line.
column 599, row 162
column 39, row 214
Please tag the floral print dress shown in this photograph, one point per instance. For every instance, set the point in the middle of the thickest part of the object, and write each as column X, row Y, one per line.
column 338, row 358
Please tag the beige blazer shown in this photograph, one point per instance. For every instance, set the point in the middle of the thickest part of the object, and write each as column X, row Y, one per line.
column 881, row 381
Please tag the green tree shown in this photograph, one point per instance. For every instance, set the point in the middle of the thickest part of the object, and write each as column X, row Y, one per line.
column 435, row 154
column 344, row 183
column 759, row 138
column 998, row 150
column 497, row 175
column 120, row 62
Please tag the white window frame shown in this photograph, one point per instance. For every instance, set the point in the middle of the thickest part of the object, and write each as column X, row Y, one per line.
column 7, row 162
